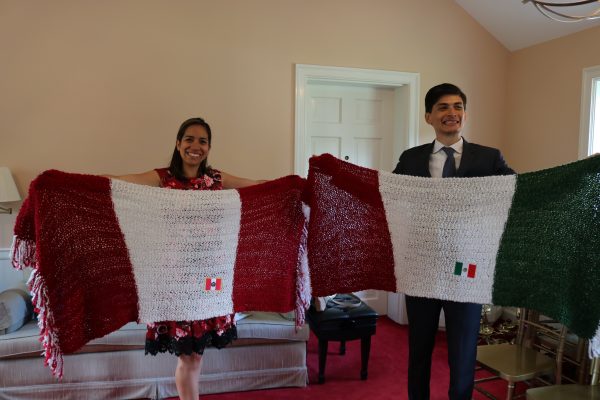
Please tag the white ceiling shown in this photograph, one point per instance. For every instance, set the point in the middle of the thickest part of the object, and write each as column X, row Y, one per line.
column 517, row 25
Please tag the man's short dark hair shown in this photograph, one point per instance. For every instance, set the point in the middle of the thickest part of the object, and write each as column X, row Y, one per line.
column 436, row 92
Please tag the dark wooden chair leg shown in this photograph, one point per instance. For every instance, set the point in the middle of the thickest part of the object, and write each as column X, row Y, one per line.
column 322, row 359
column 365, row 349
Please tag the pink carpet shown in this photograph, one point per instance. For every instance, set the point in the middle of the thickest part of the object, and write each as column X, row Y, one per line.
column 387, row 372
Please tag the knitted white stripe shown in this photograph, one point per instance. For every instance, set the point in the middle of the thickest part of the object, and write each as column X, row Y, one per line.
column 472, row 213
column 175, row 241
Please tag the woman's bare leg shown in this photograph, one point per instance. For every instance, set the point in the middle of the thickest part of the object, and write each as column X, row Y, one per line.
column 187, row 375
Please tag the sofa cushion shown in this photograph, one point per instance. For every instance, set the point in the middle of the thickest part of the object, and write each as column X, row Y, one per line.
column 15, row 310
column 274, row 326
column 25, row 342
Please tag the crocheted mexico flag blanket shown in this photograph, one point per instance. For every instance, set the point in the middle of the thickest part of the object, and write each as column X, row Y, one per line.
column 529, row 240
column 107, row 252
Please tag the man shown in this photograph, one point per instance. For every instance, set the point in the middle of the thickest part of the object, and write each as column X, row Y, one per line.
column 449, row 155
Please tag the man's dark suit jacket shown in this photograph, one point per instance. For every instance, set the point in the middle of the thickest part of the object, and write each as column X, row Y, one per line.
column 462, row 319
column 475, row 161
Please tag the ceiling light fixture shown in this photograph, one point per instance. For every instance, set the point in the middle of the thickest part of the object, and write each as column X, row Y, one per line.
column 550, row 10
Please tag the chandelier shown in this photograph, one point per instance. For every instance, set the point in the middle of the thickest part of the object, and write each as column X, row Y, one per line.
column 560, row 11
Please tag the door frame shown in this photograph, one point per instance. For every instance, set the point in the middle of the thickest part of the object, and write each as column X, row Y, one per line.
column 406, row 104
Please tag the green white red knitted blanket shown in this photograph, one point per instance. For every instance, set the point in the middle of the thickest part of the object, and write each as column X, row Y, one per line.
column 108, row 252
column 529, row 240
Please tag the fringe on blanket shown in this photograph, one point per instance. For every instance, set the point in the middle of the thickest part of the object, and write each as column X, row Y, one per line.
column 53, row 357
column 303, row 289
column 22, row 253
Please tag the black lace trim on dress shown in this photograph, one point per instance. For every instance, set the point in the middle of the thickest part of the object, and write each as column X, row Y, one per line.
column 188, row 345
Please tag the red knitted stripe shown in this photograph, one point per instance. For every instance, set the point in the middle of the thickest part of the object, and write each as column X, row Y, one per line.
column 267, row 254
column 349, row 245
column 82, row 258
column 24, row 224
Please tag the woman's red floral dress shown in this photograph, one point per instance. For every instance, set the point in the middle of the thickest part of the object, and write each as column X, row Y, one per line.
column 187, row 337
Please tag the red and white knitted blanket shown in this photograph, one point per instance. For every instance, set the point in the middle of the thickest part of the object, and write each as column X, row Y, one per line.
column 106, row 252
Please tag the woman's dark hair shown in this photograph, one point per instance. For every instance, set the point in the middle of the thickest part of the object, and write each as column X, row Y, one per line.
column 176, row 165
column 437, row 92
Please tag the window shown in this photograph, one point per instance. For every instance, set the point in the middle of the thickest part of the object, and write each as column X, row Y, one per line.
column 595, row 118
column 589, row 136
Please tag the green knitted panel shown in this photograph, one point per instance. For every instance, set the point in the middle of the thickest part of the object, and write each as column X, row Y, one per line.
column 549, row 256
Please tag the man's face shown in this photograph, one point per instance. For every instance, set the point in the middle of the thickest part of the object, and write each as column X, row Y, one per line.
column 447, row 115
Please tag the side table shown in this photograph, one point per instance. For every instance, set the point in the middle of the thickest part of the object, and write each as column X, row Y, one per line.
column 345, row 318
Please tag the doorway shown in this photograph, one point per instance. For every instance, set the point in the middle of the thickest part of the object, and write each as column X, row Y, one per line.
column 363, row 116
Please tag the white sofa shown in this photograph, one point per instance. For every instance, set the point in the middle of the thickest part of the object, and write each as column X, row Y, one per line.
column 269, row 353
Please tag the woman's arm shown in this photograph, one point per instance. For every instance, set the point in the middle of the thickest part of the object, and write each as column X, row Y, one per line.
column 235, row 182
column 149, row 178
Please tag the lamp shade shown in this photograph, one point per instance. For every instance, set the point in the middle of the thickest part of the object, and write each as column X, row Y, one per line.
column 8, row 189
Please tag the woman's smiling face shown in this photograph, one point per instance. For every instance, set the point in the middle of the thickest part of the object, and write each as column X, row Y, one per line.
column 194, row 146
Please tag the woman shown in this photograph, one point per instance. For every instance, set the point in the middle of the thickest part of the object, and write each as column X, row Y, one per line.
column 189, row 171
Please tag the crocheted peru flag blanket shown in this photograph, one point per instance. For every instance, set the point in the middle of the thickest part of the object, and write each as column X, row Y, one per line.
column 107, row 252
column 530, row 240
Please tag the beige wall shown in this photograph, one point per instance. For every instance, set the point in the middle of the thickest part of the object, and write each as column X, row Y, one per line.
column 544, row 98
column 101, row 86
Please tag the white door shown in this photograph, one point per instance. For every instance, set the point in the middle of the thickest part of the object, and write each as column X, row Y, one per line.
column 354, row 123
